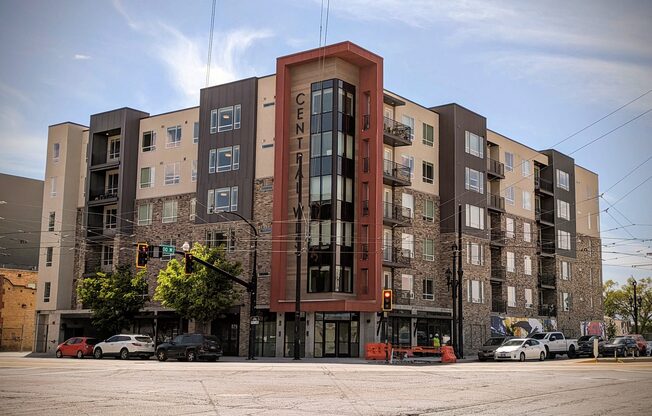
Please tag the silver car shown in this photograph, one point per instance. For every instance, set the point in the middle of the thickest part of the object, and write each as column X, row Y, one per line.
column 125, row 346
column 521, row 349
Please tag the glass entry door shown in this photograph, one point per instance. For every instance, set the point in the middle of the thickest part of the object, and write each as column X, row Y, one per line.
column 337, row 339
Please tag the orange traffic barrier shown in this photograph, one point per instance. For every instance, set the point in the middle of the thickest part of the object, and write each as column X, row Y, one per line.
column 375, row 351
column 448, row 355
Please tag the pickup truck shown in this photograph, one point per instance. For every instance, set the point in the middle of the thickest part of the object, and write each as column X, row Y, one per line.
column 556, row 343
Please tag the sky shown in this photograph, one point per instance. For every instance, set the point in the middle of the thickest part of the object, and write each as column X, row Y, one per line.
column 540, row 72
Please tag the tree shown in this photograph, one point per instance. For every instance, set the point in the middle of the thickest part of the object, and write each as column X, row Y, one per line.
column 203, row 294
column 114, row 298
column 617, row 302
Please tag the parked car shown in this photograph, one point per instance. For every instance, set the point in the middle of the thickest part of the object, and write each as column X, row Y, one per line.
column 556, row 343
column 76, row 347
column 125, row 346
column 488, row 349
column 649, row 348
column 640, row 342
column 521, row 349
column 190, row 347
column 585, row 345
column 620, row 346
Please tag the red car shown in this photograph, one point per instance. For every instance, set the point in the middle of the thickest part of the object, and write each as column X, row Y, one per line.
column 77, row 347
column 641, row 343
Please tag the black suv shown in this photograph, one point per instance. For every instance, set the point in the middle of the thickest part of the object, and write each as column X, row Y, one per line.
column 190, row 347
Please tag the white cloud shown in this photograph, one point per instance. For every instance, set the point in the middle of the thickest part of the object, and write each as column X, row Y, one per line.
column 10, row 92
column 18, row 156
column 81, row 57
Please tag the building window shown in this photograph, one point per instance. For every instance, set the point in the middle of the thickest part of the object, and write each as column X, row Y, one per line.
column 527, row 265
column 474, row 180
column 563, row 240
column 563, row 209
column 107, row 255
column 195, row 132
column 168, row 257
column 528, row 298
column 217, row 239
column 46, row 291
column 527, row 200
column 110, row 218
column 228, row 118
column 173, row 173
column 511, row 296
column 563, row 180
column 174, row 137
column 170, row 209
column 525, row 168
column 407, row 160
column 55, row 151
column 429, row 249
column 428, row 172
column 53, row 187
column 565, row 301
column 223, row 199
column 407, row 283
column 511, row 262
column 51, row 220
column 474, row 145
column 428, row 288
column 475, row 291
column 212, row 161
column 343, row 279
column 527, row 232
column 193, row 208
column 474, row 217
column 145, row 214
column 146, row 178
column 509, row 225
column 474, row 254
column 114, row 148
column 407, row 245
column 509, row 195
column 213, row 127
column 228, row 158
column 565, row 270
column 428, row 135
column 48, row 256
column 409, row 121
column 509, row 161
column 112, row 181
column 237, row 116
column 407, row 201
column 429, row 210
column 193, row 171
column 149, row 141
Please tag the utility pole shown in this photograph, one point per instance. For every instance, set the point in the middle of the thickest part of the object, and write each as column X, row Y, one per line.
column 635, row 302
column 298, row 213
column 460, row 272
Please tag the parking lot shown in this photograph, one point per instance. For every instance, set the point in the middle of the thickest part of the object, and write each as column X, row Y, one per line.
column 47, row 386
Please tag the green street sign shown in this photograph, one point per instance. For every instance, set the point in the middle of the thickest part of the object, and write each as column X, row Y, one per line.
column 168, row 250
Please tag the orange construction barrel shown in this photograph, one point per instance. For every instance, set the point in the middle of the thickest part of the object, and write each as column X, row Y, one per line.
column 448, row 354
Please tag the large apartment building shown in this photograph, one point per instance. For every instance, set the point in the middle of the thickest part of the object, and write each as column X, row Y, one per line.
column 375, row 180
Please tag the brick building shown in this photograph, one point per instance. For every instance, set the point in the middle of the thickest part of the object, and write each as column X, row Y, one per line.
column 381, row 179
column 17, row 306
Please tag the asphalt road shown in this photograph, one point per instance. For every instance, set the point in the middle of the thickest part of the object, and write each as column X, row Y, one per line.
column 50, row 386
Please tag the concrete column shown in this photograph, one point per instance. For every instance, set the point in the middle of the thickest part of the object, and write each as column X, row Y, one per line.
column 280, row 333
column 310, row 334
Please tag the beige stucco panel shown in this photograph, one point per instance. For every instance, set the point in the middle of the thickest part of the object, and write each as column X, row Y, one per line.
column 265, row 123
column 587, row 202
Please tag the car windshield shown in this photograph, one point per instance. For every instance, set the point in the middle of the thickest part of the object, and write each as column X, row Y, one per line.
column 538, row 336
column 144, row 339
column 493, row 341
column 618, row 340
column 91, row 341
column 513, row 343
column 211, row 338
column 585, row 338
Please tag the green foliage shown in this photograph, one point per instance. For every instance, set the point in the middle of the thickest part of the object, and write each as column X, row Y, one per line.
column 617, row 303
column 203, row 294
column 114, row 298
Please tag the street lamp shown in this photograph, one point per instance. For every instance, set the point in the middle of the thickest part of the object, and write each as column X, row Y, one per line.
column 451, row 283
column 253, row 287
column 635, row 303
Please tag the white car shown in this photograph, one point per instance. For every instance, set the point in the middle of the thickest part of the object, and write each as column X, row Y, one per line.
column 125, row 346
column 521, row 349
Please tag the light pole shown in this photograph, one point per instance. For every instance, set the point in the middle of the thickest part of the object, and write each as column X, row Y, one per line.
column 634, row 303
column 253, row 287
column 451, row 282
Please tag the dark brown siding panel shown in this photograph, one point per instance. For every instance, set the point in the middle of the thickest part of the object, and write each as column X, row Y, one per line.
column 242, row 92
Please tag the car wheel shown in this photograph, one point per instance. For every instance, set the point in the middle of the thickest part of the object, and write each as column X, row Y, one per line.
column 80, row 355
column 522, row 357
column 161, row 355
column 97, row 353
column 191, row 355
column 59, row 354
column 571, row 352
column 542, row 356
column 124, row 354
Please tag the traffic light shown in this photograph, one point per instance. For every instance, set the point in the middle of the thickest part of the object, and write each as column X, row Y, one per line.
column 387, row 300
column 141, row 256
column 188, row 265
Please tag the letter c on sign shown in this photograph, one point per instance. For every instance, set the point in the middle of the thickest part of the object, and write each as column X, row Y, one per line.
column 300, row 99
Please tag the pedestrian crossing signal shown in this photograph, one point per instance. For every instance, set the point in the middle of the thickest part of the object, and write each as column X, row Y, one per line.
column 141, row 256
column 387, row 300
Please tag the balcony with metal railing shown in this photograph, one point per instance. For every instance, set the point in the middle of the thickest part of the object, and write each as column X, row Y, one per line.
column 498, row 305
column 396, row 134
column 546, row 309
column 547, row 280
column 396, row 257
column 398, row 215
column 546, row 217
column 395, row 174
column 495, row 202
column 495, row 169
column 543, row 186
column 545, row 248
column 496, row 237
column 498, row 273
